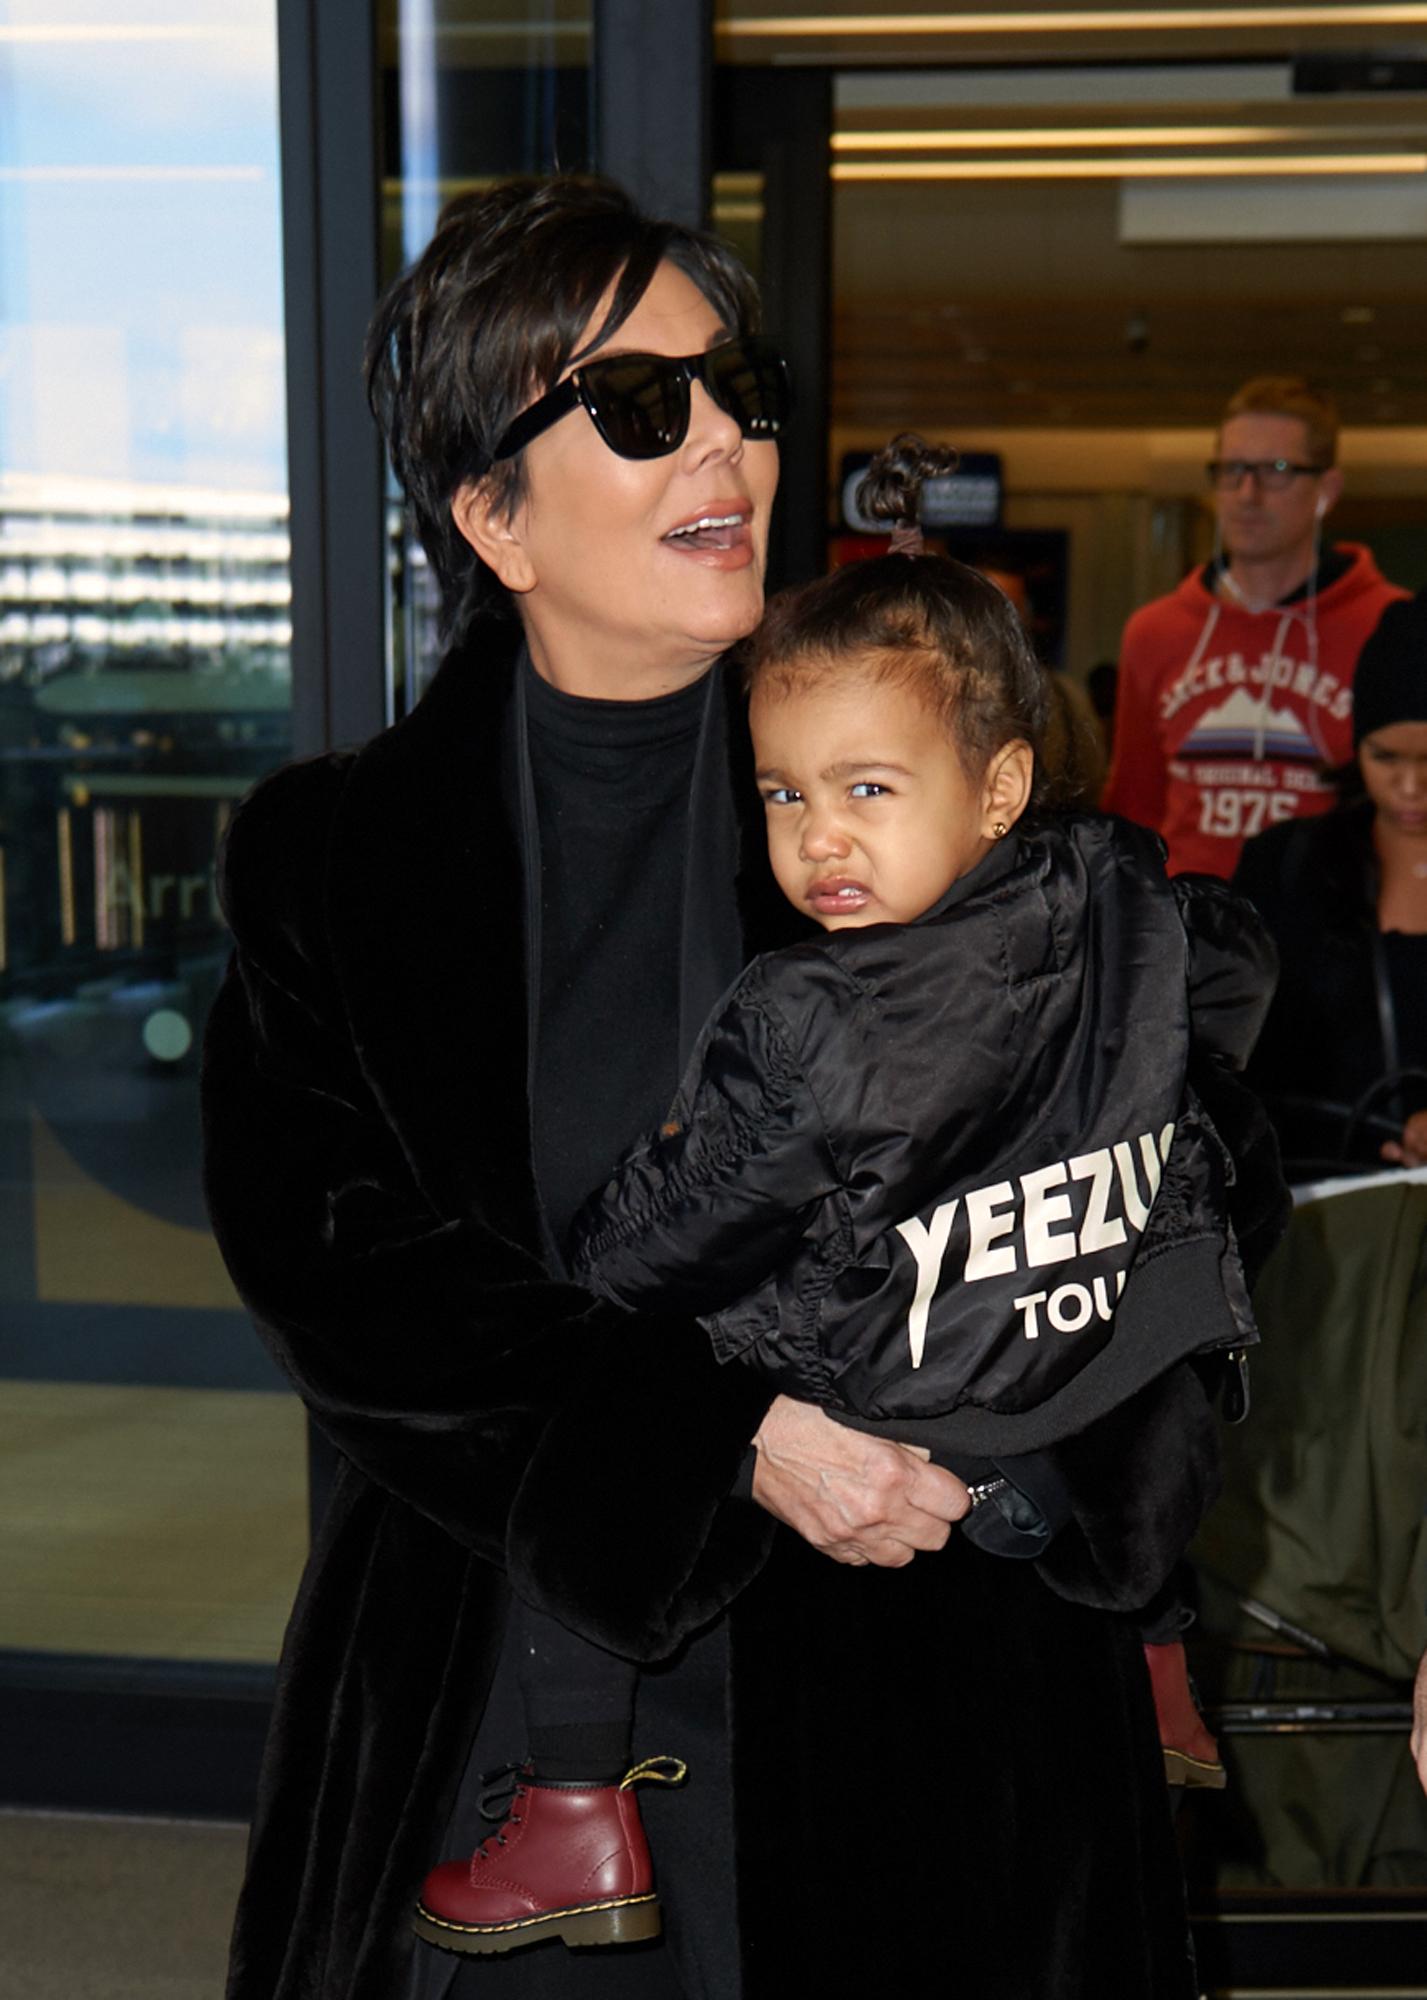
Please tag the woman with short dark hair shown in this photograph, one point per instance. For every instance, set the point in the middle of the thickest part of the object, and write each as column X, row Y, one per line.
column 470, row 960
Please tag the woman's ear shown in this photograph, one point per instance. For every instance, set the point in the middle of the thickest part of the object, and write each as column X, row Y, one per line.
column 492, row 528
column 1008, row 786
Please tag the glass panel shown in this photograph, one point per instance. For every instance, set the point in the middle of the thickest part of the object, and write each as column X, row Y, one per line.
column 1061, row 248
column 1016, row 286
column 472, row 90
column 154, row 1470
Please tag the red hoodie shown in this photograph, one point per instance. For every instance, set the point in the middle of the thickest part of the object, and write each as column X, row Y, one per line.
column 1225, row 718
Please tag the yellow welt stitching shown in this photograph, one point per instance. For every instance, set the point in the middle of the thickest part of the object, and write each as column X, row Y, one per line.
column 544, row 1917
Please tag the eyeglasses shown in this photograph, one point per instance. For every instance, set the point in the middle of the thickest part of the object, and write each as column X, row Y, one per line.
column 1273, row 475
column 639, row 403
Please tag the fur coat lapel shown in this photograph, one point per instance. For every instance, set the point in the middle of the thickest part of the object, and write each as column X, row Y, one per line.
column 435, row 991
column 427, row 833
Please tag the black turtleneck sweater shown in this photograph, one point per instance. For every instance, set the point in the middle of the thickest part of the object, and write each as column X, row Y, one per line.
column 612, row 781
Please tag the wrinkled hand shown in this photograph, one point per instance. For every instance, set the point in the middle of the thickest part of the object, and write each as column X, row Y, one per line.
column 856, row 1498
column 1411, row 1149
column 1419, row 1722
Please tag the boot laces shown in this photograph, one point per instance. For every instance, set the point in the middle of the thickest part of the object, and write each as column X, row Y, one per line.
column 501, row 1793
column 503, row 1789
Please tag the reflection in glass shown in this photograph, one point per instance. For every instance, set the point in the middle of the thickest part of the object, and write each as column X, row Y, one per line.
column 473, row 90
column 144, row 684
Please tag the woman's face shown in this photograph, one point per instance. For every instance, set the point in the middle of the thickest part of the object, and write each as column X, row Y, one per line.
column 616, row 604
column 1393, row 762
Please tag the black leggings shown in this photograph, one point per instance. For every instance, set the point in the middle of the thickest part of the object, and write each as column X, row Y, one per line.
column 578, row 1701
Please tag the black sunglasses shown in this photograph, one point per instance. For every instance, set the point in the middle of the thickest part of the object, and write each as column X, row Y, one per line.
column 639, row 403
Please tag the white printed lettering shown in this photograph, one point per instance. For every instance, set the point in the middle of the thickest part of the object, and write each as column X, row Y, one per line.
column 1099, row 1231
column 1027, row 1307
column 1044, row 1245
column 1058, row 1308
column 1136, row 1208
column 986, row 1226
column 928, row 1246
column 1103, row 1303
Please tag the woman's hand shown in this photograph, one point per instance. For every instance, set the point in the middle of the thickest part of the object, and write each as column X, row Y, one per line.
column 1411, row 1149
column 858, row 1499
column 1419, row 1722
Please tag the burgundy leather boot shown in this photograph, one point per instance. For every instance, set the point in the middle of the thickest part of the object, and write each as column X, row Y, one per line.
column 1191, row 1756
column 568, row 1861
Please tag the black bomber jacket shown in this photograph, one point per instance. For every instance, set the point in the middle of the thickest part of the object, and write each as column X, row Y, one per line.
column 970, row 1178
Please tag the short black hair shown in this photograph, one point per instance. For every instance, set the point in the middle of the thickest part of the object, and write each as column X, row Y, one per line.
column 488, row 318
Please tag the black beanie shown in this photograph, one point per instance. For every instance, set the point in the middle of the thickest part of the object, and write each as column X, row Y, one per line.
column 1390, row 684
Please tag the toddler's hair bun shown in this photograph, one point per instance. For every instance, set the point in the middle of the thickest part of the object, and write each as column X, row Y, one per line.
column 891, row 491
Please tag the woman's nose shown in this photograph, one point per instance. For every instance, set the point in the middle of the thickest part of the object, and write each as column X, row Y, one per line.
column 712, row 431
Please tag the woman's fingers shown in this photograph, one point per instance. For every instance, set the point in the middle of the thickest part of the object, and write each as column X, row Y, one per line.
column 934, row 1488
column 858, row 1499
column 1419, row 1722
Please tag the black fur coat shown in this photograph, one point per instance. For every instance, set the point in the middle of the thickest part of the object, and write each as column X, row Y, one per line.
column 922, row 1753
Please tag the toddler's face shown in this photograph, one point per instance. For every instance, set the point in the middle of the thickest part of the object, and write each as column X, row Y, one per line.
column 871, row 816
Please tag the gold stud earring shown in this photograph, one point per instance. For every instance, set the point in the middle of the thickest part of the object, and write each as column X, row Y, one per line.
column 999, row 830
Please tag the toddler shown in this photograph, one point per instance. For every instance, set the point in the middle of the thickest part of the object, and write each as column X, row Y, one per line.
column 943, row 1170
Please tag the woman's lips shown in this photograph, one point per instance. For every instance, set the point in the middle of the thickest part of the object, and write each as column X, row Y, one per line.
column 838, row 896
column 718, row 537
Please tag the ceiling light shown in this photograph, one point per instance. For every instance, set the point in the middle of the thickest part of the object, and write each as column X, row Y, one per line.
column 1088, row 21
column 970, row 141
column 1223, row 166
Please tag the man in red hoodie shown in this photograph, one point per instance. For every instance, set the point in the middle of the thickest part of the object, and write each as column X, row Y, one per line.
column 1235, row 691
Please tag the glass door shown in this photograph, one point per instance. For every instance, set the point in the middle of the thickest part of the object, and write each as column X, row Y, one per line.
column 152, row 1464
column 471, row 91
